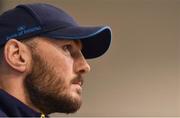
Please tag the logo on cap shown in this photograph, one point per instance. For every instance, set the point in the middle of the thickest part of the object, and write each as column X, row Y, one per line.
column 23, row 30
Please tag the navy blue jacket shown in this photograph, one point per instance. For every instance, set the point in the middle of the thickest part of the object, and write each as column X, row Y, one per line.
column 12, row 107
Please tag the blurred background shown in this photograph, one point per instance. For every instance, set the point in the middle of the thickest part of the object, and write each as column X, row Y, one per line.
column 140, row 74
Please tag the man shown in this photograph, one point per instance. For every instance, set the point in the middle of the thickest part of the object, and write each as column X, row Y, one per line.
column 43, row 59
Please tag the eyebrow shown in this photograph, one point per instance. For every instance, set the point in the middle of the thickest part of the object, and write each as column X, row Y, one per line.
column 78, row 43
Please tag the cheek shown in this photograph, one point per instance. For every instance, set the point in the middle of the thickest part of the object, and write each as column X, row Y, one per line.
column 64, row 70
column 63, row 67
column 62, row 64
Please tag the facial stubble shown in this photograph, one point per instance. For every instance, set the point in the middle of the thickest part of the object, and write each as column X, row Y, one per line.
column 46, row 90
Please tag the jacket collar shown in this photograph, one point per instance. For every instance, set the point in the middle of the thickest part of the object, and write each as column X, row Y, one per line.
column 11, row 106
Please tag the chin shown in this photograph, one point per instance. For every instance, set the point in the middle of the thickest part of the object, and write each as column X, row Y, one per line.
column 77, row 96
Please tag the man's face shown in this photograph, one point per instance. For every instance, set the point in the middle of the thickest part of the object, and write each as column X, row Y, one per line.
column 54, row 85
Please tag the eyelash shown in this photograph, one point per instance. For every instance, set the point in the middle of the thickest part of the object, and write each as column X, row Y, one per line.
column 68, row 49
column 65, row 47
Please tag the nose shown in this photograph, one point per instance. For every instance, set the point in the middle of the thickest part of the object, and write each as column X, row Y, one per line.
column 81, row 66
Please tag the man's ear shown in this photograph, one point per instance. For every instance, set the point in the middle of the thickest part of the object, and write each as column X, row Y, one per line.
column 17, row 55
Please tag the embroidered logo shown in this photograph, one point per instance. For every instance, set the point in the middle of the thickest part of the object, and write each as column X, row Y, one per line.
column 22, row 30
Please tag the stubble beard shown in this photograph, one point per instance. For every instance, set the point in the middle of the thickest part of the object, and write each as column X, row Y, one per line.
column 46, row 91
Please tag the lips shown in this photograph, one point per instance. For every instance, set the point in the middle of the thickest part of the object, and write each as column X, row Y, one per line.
column 78, row 80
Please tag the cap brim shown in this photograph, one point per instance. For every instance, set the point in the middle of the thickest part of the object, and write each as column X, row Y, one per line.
column 95, row 40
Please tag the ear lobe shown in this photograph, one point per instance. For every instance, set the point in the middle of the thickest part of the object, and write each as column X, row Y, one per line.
column 15, row 55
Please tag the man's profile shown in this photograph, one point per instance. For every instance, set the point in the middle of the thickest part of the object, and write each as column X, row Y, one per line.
column 43, row 54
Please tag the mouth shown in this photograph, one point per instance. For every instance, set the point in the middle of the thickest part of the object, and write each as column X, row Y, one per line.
column 78, row 81
column 77, row 84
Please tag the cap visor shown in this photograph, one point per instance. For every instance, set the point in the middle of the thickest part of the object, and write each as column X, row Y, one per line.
column 95, row 40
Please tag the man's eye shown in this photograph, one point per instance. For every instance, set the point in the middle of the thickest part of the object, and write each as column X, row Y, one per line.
column 69, row 51
column 67, row 48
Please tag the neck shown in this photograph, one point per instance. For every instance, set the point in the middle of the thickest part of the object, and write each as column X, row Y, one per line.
column 15, row 87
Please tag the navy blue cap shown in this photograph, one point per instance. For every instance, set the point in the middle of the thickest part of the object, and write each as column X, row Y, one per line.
column 40, row 19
